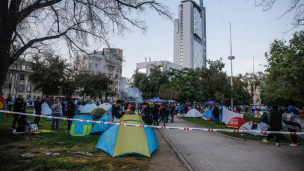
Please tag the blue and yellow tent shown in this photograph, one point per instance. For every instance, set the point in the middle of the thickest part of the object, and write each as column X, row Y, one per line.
column 120, row 141
column 99, row 128
column 81, row 129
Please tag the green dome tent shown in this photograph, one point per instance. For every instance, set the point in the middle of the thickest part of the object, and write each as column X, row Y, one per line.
column 97, row 113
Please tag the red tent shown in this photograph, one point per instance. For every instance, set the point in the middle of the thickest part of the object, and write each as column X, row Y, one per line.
column 236, row 122
column 300, row 112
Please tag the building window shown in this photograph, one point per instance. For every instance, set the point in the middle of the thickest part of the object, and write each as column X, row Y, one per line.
column 116, row 69
column 103, row 67
column 90, row 65
column 34, row 97
column 28, row 88
column 20, row 96
column 21, row 77
column 86, row 65
column 21, row 87
column 23, row 67
column 120, row 70
column 13, row 65
column 27, row 97
column 95, row 65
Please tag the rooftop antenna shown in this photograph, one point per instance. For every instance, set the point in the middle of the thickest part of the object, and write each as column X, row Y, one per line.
column 201, row 4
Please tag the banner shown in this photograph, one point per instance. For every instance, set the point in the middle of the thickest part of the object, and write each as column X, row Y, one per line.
column 2, row 107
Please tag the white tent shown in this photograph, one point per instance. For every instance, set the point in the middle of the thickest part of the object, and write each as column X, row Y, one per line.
column 45, row 109
column 260, row 127
column 193, row 113
column 228, row 115
column 105, row 106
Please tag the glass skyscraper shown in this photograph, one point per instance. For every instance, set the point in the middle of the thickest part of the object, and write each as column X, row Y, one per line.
column 190, row 35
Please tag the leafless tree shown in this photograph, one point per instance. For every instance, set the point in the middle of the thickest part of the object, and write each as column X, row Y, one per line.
column 36, row 25
column 296, row 7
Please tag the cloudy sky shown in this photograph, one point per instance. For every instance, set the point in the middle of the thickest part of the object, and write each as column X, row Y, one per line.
column 252, row 32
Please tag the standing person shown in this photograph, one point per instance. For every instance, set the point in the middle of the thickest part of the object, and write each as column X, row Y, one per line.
column 246, row 109
column 23, row 103
column 164, row 114
column 37, row 106
column 291, row 120
column 70, row 114
column 17, row 108
column 133, row 108
column 155, row 114
column 64, row 113
column 186, row 109
column 216, row 115
column 275, row 124
column 172, row 112
column 146, row 114
column 56, row 109
column 116, row 111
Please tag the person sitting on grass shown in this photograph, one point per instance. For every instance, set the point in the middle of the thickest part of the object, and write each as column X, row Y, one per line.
column 22, row 123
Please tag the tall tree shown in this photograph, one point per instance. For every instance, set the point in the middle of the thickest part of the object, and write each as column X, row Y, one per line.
column 140, row 81
column 185, row 81
column 48, row 73
column 284, row 84
column 157, row 78
column 36, row 25
column 213, row 83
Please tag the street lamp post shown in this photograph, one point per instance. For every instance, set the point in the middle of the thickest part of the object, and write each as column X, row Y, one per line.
column 231, row 58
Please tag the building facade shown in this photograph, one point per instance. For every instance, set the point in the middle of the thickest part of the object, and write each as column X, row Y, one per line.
column 108, row 62
column 190, row 35
column 17, row 83
column 144, row 67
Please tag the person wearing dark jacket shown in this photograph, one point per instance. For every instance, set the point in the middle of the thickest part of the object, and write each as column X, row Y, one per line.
column 292, row 123
column 37, row 106
column 116, row 111
column 275, row 124
column 23, row 104
column 22, row 123
column 70, row 114
column 155, row 114
column 146, row 114
column 216, row 114
column 133, row 108
column 164, row 113
column 17, row 108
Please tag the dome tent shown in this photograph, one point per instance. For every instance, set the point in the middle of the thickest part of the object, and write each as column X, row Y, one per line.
column 81, row 129
column 193, row 113
column 88, row 108
column 97, row 113
column 236, row 122
column 99, row 128
column 120, row 141
column 105, row 106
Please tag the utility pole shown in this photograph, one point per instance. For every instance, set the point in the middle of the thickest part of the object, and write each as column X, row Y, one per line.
column 231, row 58
column 253, row 85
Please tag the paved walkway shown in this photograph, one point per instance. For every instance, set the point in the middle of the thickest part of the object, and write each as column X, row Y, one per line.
column 211, row 151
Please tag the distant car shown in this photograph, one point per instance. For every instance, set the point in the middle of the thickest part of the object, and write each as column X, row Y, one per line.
column 30, row 104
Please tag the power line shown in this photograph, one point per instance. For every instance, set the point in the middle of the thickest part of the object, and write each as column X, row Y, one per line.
column 223, row 19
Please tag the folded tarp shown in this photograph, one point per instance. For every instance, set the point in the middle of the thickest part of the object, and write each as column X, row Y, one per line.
column 228, row 115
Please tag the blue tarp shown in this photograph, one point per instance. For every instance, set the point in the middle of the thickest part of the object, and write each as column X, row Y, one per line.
column 209, row 114
column 157, row 100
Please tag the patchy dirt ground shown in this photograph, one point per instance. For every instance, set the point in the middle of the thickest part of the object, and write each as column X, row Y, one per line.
column 164, row 157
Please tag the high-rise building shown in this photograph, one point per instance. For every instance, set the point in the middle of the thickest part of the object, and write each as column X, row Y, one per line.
column 190, row 35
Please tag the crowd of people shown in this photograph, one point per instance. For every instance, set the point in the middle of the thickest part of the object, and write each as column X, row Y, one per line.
column 151, row 114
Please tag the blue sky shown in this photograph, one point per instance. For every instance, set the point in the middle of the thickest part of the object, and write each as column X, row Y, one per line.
column 252, row 32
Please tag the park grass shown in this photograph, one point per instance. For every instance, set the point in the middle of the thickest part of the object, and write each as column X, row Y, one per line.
column 247, row 117
column 12, row 146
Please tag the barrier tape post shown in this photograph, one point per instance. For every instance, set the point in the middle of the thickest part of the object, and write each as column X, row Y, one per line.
column 160, row 127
